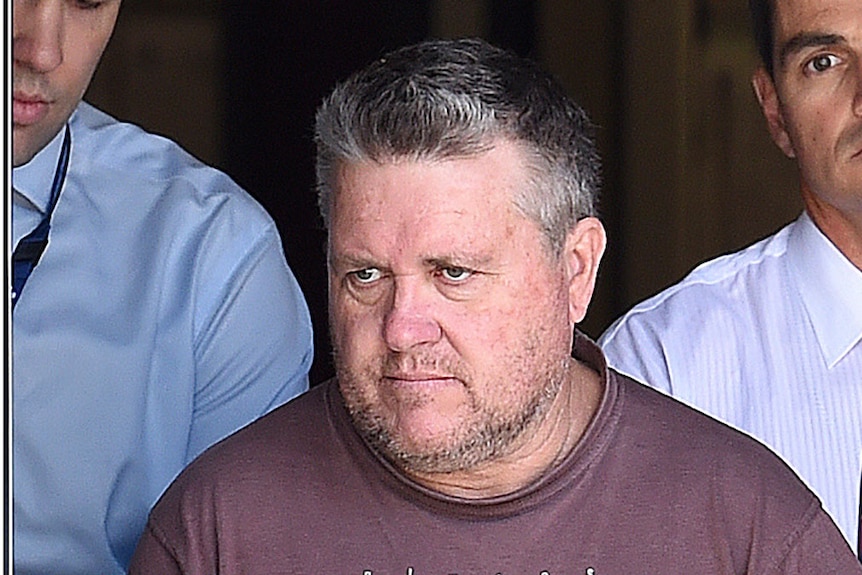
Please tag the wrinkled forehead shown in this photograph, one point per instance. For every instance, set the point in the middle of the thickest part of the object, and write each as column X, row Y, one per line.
column 406, row 197
column 488, row 176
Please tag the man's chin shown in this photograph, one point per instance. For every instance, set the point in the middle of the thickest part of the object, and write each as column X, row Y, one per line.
column 27, row 141
column 437, row 450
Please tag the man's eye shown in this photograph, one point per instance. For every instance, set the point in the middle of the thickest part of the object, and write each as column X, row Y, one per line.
column 455, row 274
column 89, row 4
column 822, row 62
column 366, row 276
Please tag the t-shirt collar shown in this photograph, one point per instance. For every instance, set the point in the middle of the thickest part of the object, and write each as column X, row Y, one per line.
column 830, row 287
column 33, row 180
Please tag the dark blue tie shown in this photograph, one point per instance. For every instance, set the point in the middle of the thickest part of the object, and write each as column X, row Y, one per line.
column 30, row 247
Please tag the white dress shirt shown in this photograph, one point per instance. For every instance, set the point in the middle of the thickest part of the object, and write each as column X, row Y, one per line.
column 769, row 340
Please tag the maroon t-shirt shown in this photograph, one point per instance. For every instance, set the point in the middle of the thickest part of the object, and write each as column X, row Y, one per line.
column 653, row 488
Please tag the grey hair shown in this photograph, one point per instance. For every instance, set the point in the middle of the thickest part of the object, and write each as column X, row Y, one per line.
column 454, row 98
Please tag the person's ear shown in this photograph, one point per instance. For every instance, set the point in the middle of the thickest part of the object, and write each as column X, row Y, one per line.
column 767, row 96
column 585, row 245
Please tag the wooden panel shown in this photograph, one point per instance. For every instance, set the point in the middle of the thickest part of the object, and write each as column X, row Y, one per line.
column 578, row 43
column 163, row 72
column 652, row 144
column 702, row 177
column 736, row 185
column 459, row 18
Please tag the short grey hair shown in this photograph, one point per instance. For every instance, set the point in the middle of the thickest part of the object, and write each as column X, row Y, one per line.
column 455, row 98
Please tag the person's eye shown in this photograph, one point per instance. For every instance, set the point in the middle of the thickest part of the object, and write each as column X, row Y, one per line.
column 455, row 274
column 366, row 276
column 822, row 62
column 89, row 4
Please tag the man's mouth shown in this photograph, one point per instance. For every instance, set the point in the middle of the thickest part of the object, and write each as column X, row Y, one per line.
column 417, row 376
column 28, row 109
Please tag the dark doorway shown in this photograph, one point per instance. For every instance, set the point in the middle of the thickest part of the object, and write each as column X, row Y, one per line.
column 283, row 57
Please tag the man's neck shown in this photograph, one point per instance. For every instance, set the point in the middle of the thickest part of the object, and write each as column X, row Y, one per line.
column 842, row 227
column 541, row 449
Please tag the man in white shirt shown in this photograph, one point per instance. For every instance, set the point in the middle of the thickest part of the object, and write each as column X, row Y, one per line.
column 769, row 339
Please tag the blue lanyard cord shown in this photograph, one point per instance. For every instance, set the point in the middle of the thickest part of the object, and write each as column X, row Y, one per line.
column 31, row 246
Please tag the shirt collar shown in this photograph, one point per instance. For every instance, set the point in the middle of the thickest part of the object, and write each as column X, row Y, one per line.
column 829, row 285
column 33, row 180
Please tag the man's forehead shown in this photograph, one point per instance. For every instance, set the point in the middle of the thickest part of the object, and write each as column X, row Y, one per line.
column 446, row 212
column 802, row 24
column 790, row 17
column 502, row 168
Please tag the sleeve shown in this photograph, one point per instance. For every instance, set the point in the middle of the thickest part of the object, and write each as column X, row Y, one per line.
column 152, row 557
column 181, row 535
column 254, row 349
column 820, row 549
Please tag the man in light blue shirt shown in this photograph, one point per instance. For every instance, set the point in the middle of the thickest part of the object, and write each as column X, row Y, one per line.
column 158, row 317
column 769, row 339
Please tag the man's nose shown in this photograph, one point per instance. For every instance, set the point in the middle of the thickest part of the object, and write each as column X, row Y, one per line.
column 410, row 320
column 37, row 41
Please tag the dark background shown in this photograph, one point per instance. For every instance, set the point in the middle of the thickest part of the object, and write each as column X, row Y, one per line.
column 689, row 171
column 277, row 78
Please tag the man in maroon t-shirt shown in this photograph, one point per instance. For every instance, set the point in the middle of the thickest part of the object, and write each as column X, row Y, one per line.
column 462, row 434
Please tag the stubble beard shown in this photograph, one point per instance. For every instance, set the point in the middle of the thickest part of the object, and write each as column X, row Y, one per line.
column 486, row 436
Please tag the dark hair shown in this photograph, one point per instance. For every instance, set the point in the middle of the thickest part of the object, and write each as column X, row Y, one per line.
column 449, row 98
column 761, row 19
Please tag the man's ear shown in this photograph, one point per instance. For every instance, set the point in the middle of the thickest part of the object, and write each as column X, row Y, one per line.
column 585, row 245
column 767, row 96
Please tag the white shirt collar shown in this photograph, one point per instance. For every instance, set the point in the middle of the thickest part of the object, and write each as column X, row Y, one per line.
column 830, row 287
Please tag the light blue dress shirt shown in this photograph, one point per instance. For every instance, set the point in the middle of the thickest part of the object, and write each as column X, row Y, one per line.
column 161, row 317
column 768, row 339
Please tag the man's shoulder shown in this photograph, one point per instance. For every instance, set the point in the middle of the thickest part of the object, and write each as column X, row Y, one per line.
column 149, row 161
column 131, row 171
column 288, row 451
column 745, row 495
column 721, row 280
column 696, row 448
column 295, row 433
column 111, row 142
column 719, row 298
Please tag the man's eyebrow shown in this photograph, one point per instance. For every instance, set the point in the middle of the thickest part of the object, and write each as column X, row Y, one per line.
column 460, row 260
column 349, row 261
column 807, row 40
